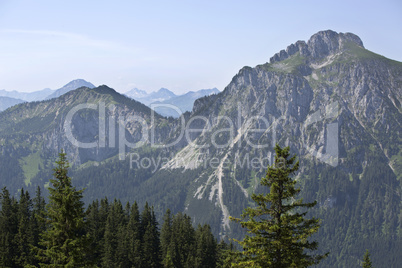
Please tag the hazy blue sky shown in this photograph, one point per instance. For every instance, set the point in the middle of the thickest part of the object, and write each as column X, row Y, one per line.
column 180, row 45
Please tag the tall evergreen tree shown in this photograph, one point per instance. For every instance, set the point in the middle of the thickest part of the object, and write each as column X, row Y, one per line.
column 111, row 240
column 39, row 206
column 206, row 247
column 226, row 255
column 8, row 229
column 166, row 235
column 150, row 239
column 134, row 237
column 25, row 236
column 95, row 231
column 182, row 246
column 122, row 241
column 366, row 260
column 279, row 231
column 64, row 242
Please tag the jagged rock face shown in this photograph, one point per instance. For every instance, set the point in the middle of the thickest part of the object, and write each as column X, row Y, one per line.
column 320, row 45
column 329, row 99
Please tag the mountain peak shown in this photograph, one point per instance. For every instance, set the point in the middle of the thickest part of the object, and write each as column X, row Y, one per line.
column 328, row 42
column 319, row 45
column 80, row 83
column 165, row 91
column 136, row 93
column 163, row 94
column 77, row 83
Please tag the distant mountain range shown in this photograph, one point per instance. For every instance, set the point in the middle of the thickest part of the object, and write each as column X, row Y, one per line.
column 10, row 98
column 167, row 103
column 27, row 96
column 176, row 104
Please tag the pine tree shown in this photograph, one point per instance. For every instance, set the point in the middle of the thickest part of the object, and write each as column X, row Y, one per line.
column 38, row 213
column 168, row 261
column 166, row 235
column 279, row 230
column 366, row 260
column 206, row 247
column 95, row 231
column 134, row 236
column 64, row 242
column 226, row 255
column 8, row 229
column 25, row 236
column 122, row 241
column 111, row 240
column 150, row 239
column 182, row 246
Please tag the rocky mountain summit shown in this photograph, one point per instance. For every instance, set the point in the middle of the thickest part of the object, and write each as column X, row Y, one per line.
column 320, row 45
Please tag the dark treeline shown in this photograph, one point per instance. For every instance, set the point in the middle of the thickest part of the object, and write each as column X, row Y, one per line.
column 118, row 236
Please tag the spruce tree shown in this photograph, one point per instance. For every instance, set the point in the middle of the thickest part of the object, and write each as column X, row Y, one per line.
column 64, row 243
column 25, row 236
column 134, row 236
column 226, row 255
column 150, row 239
column 206, row 252
column 366, row 260
column 38, row 214
column 182, row 246
column 8, row 229
column 279, row 231
column 111, row 240
column 122, row 241
column 95, row 231
column 166, row 235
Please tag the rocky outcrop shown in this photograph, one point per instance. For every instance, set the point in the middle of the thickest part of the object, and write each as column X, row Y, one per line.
column 320, row 45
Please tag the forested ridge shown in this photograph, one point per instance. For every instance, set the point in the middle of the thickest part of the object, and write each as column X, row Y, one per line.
column 117, row 235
